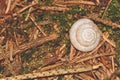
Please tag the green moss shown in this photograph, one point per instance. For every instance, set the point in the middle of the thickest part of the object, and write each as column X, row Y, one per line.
column 49, row 2
column 114, row 10
column 117, row 59
column 1, row 69
column 40, row 17
column 108, row 29
column 26, row 56
column 76, row 10
column 48, row 28
column 46, row 2
column 63, row 21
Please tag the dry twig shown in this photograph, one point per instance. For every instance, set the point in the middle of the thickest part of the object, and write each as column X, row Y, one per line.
column 53, row 73
column 72, row 2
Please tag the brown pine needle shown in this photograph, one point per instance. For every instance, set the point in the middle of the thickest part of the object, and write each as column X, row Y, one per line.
column 39, row 27
column 8, row 6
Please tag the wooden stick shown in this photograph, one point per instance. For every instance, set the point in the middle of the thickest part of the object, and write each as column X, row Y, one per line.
column 29, row 45
column 53, row 73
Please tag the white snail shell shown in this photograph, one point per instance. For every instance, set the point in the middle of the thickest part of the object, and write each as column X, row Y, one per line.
column 84, row 35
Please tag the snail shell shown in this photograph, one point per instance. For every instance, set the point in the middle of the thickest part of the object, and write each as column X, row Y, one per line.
column 84, row 35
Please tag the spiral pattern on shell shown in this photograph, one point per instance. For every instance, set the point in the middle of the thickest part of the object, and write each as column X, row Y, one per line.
column 84, row 35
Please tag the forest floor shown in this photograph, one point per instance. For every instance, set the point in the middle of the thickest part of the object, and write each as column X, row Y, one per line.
column 35, row 43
